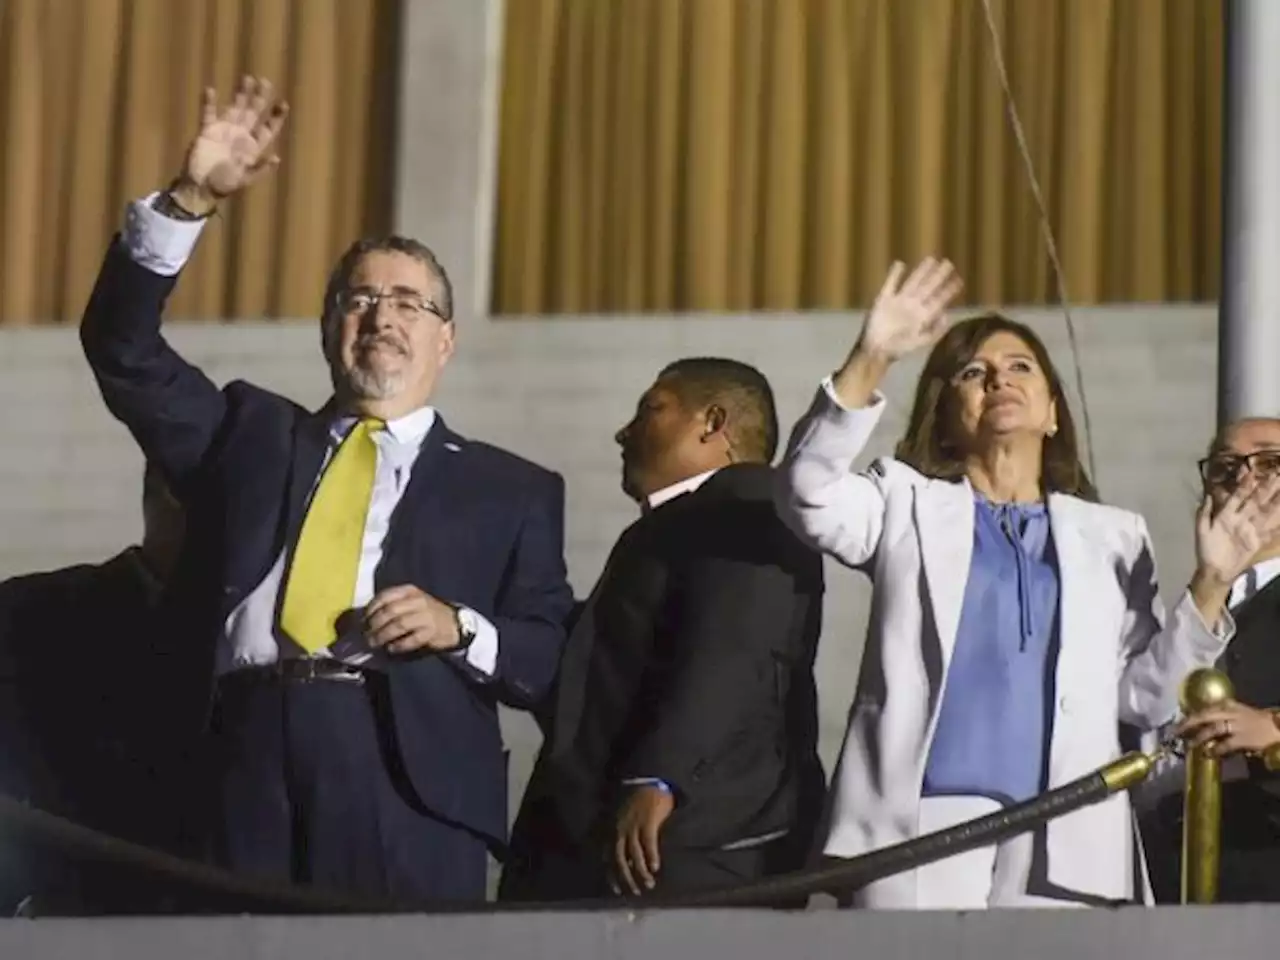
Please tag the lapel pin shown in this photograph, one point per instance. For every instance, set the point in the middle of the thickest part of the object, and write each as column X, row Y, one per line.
column 452, row 447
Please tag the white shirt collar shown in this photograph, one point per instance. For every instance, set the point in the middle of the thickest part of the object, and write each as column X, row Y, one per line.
column 658, row 498
column 1253, row 580
column 411, row 429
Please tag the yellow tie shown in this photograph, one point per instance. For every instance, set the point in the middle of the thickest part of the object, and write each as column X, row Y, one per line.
column 321, row 584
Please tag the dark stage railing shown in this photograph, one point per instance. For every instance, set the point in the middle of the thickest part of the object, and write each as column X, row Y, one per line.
column 218, row 891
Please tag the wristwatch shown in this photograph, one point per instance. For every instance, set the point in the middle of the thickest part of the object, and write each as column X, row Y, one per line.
column 468, row 626
column 166, row 206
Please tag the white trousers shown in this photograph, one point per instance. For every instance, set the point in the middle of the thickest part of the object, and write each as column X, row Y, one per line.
column 995, row 876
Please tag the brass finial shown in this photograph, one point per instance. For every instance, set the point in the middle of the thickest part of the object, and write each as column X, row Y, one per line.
column 1204, row 688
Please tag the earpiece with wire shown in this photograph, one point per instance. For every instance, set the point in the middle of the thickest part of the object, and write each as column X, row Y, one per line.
column 717, row 419
column 1046, row 227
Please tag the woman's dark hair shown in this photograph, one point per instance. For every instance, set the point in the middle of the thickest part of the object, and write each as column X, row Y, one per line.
column 926, row 445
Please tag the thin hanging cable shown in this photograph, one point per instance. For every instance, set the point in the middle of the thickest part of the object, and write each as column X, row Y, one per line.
column 1046, row 228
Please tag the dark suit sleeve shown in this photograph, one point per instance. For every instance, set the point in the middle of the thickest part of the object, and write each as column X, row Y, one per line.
column 535, row 600
column 734, row 612
column 172, row 409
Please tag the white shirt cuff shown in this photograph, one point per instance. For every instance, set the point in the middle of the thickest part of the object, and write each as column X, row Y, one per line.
column 829, row 388
column 156, row 242
column 481, row 657
column 1220, row 632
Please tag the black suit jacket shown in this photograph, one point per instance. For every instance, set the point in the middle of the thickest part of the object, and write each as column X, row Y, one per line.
column 1250, row 806
column 476, row 526
column 81, row 681
column 692, row 661
column 1252, row 662
column 76, row 667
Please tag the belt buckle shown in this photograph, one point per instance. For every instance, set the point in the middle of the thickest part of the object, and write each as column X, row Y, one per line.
column 345, row 674
column 320, row 669
column 296, row 670
column 307, row 670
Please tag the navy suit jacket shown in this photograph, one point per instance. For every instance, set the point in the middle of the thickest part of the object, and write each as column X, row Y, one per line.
column 477, row 526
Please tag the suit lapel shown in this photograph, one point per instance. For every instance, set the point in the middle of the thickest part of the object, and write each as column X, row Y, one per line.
column 576, row 656
column 431, row 474
column 944, row 519
column 1091, row 600
column 1261, row 606
column 614, row 586
column 1076, row 562
column 424, row 505
column 1250, row 658
column 311, row 441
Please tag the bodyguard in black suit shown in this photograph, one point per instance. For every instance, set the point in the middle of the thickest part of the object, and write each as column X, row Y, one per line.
column 1247, row 729
column 82, row 653
column 364, row 584
column 681, row 741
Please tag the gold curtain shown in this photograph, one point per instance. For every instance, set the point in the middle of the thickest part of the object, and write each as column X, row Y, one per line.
column 99, row 97
column 777, row 154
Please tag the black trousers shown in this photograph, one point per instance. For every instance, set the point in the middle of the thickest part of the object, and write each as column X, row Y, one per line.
column 312, row 791
column 1249, row 866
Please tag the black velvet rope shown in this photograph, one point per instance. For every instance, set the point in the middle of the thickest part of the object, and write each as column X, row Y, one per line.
column 844, row 876
column 219, row 891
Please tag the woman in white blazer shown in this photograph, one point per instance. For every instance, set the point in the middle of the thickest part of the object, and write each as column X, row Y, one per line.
column 1015, row 621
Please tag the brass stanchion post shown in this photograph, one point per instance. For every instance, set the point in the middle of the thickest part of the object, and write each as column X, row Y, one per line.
column 1202, row 802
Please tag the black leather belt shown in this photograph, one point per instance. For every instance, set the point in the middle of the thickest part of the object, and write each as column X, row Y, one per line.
column 297, row 671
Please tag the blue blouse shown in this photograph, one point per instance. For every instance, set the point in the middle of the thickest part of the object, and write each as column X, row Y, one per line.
column 995, row 720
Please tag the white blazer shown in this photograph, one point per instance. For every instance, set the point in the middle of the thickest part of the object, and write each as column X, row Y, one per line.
column 913, row 536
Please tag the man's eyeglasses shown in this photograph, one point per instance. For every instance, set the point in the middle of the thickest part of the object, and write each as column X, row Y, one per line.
column 1226, row 469
column 404, row 303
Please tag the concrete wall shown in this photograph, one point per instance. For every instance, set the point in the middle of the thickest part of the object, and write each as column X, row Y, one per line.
column 1242, row 933
column 555, row 390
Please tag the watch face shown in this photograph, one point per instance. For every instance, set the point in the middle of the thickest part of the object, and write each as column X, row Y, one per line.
column 467, row 622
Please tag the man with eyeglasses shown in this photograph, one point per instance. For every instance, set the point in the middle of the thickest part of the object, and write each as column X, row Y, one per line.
column 1242, row 468
column 365, row 584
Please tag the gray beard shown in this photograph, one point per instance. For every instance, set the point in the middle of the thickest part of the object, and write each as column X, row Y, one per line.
column 370, row 384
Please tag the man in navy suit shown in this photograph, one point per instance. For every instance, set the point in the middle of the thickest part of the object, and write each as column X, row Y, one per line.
column 365, row 585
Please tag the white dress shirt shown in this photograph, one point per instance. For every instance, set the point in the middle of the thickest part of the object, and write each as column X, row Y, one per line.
column 252, row 636
column 655, row 500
